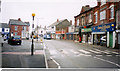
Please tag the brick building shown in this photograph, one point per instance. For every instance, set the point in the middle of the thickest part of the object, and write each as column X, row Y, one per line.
column 97, row 25
column 19, row 28
column 84, row 21
column 103, row 30
column 60, row 28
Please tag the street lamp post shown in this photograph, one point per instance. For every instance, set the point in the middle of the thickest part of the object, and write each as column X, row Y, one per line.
column 32, row 46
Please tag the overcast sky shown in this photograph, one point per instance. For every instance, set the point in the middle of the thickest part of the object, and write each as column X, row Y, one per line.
column 48, row 11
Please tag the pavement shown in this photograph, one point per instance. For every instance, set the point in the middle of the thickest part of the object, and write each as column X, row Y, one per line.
column 19, row 56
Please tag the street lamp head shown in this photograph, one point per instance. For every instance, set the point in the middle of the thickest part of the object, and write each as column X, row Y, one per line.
column 33, row 14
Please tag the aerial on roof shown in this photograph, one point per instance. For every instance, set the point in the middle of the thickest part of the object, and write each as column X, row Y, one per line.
column 16, row 22
column 4, row 25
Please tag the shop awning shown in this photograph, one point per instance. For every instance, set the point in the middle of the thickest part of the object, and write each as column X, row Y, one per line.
column 98, row 32
column 76, row 33
column 70, row 33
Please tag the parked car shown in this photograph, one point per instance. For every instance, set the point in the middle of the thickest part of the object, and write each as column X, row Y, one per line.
column 15, row 40
column 103, row 41
column 47, row 36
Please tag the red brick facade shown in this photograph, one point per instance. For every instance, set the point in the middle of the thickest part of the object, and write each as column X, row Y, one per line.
column 106, row 7
column 19, row 29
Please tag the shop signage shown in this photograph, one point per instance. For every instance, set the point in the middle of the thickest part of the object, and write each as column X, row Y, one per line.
column 86, row 30
column 104, row 27
column 60, row 32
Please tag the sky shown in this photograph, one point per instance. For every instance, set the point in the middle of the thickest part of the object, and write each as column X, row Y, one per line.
column 47, row 11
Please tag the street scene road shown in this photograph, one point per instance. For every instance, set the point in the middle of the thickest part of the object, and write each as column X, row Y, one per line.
column 69, row 54
column 19, row 56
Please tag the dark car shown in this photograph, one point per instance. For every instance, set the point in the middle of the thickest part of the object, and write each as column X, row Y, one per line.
column 15, row 40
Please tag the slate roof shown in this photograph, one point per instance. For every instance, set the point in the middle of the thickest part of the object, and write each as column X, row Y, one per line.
column 16, row 22
column 55, row 23
column 27, row 23
column 4, row 25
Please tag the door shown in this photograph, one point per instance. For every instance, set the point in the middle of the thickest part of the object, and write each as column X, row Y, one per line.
column 111, row 40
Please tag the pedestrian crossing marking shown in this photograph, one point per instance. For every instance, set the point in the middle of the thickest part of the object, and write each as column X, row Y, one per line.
column 102, row 51
column 75, row 52
column 83, row 51
column 112, row 52
column 94, row 51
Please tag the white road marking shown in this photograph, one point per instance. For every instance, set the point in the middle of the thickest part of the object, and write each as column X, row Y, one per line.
column 99, row 55
column 102, row 51
column 46, row 63
column 115, row 52
column 117, row 55
column 108, row 55
column 56, row 63
column 107, row 61
column 95, row 51
column 87, row 55
column 73, row 51
column 86, row 52
column 112, row 52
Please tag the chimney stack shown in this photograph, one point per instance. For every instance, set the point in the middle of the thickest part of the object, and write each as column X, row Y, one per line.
column 19, row 19
column 71, row 22
column 57, row 20
column 87, row 6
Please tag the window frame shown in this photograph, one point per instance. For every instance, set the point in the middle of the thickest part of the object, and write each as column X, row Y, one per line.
column 103, row 15
column 16, row 27
column 96, row 17
column 112, row 12
column 78, row 22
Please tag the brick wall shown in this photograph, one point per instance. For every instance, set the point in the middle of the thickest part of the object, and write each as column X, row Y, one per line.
column 19, row 29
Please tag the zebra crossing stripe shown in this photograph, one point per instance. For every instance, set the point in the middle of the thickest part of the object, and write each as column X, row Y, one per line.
column 102, row 51
column 94, row 51
column 86, row 52
column 112, row 52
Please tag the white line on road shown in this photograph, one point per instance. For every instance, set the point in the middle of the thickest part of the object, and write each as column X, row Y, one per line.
column 112, row 52
column 115, row 52
column 98, row 55
column 73, row 51
column 102, row 51
column 56, row 63
column 86, row 52
column 45, row 57
column 117, row 55
column 108, row 55
column 107, row 61
column 95, row 51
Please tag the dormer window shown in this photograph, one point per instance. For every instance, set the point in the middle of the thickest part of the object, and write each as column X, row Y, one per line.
column 103, row 2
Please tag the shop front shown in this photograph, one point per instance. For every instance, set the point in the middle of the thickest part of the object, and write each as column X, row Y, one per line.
column 70, row 36
column 60, row 35
column 86, row 35
column 104, row 35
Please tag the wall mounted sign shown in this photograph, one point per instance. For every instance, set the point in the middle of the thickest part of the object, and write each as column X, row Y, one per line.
column 104, row 27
